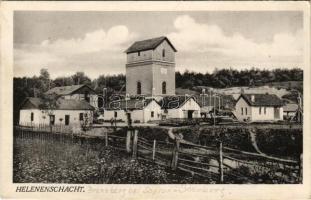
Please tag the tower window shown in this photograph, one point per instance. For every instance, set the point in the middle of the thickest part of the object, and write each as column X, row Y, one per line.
column 139, row 53
column 163, row 87
column 138, row 87
column 163, row 53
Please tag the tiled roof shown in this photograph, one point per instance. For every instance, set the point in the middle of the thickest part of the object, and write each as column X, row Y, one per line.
column 225, row 100
column 32, row 102
column 65, row 90
column 61, row 104
column 131, row 104
column 174, row 102
column 71, row 104
column 290, row 107
column 148, row 44
column 262, row 99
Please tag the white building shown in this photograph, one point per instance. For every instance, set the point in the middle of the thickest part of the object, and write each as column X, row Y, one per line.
column 139, row 111
column 259, row 107
column 66, row 112
column 150, row 67
column 180, row 107
column 77, row 92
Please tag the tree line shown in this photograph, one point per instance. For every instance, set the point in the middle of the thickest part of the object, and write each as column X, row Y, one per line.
column 225, row 78
column 36, row 86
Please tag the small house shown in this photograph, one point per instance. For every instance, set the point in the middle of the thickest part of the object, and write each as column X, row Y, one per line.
column 180, row 107
column 76, row 92
column 259, row 107
column 66, row 112
column 138, row 110
column 290, row 110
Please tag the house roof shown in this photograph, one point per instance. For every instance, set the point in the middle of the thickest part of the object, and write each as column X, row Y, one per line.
column 174, row 102
column 262, row 99
column 61, row 104
column 31, row 102
column 131, row 104
column 71, row 104
column 290, row 107
column 225, row 100
column 148, row 44
column 66, row 90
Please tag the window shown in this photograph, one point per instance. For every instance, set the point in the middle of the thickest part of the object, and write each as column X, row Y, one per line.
column 31, row 116
column 241, row 111
column 138, row 53
column 115, row 114
column 81, row 116
column 163, row 53
column 264, row 110
column 52, row 119
column 86, row 96
column 245, row 111
column 152, row 113
column 259, row 110
column 138, row 87
column 67, row 120
column 164, row 87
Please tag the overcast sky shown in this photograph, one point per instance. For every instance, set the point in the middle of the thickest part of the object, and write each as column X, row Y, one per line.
column 94, row 42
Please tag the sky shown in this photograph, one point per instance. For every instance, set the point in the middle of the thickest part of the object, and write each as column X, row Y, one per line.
column 65, row 42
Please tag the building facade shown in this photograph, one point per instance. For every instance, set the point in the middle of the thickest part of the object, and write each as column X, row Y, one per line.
column 259, row 107
column 180, row 107
column 150, row 68
column 139, row 111
column 66, row 112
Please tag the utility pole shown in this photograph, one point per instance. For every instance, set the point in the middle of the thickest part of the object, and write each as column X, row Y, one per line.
column 214, row 111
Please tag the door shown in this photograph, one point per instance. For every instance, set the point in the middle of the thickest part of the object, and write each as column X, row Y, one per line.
column 129, row 119
column 190, row 114
column 67, row 119
column 52, row 119
column 276, row 113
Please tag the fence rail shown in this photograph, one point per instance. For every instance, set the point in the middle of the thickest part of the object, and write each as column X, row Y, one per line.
column 178, row 155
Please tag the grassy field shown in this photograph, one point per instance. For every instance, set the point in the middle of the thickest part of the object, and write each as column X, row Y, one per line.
column 37, row 161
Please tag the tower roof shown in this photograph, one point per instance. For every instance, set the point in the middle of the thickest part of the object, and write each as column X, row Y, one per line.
column 148, row 44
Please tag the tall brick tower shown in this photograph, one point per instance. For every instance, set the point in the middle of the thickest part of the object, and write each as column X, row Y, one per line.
column 150, row 67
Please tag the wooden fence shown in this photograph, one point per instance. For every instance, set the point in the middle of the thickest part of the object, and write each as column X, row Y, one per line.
column 210, row 162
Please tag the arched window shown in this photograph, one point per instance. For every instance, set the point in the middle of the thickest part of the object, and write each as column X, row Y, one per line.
column 163, row 87
column 163, row 53
column 138, row 87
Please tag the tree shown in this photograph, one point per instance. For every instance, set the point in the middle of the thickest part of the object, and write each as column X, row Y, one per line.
column 63, row 81
column 45, row 82
column 80, row 78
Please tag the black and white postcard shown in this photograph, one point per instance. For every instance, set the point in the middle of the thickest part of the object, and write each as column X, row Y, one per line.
column 155, row 100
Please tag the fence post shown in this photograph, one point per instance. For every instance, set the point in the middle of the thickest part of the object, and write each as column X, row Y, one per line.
column 175, row 154
column 135, row 144
column 106, row 139
column 221, row 169
column 128, row 140
column 301, row 167
column 154, row 149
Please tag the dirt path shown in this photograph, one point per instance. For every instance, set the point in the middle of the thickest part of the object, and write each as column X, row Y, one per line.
column 252, row 134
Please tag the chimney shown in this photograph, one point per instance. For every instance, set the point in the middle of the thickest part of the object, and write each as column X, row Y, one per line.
column 253, row 98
